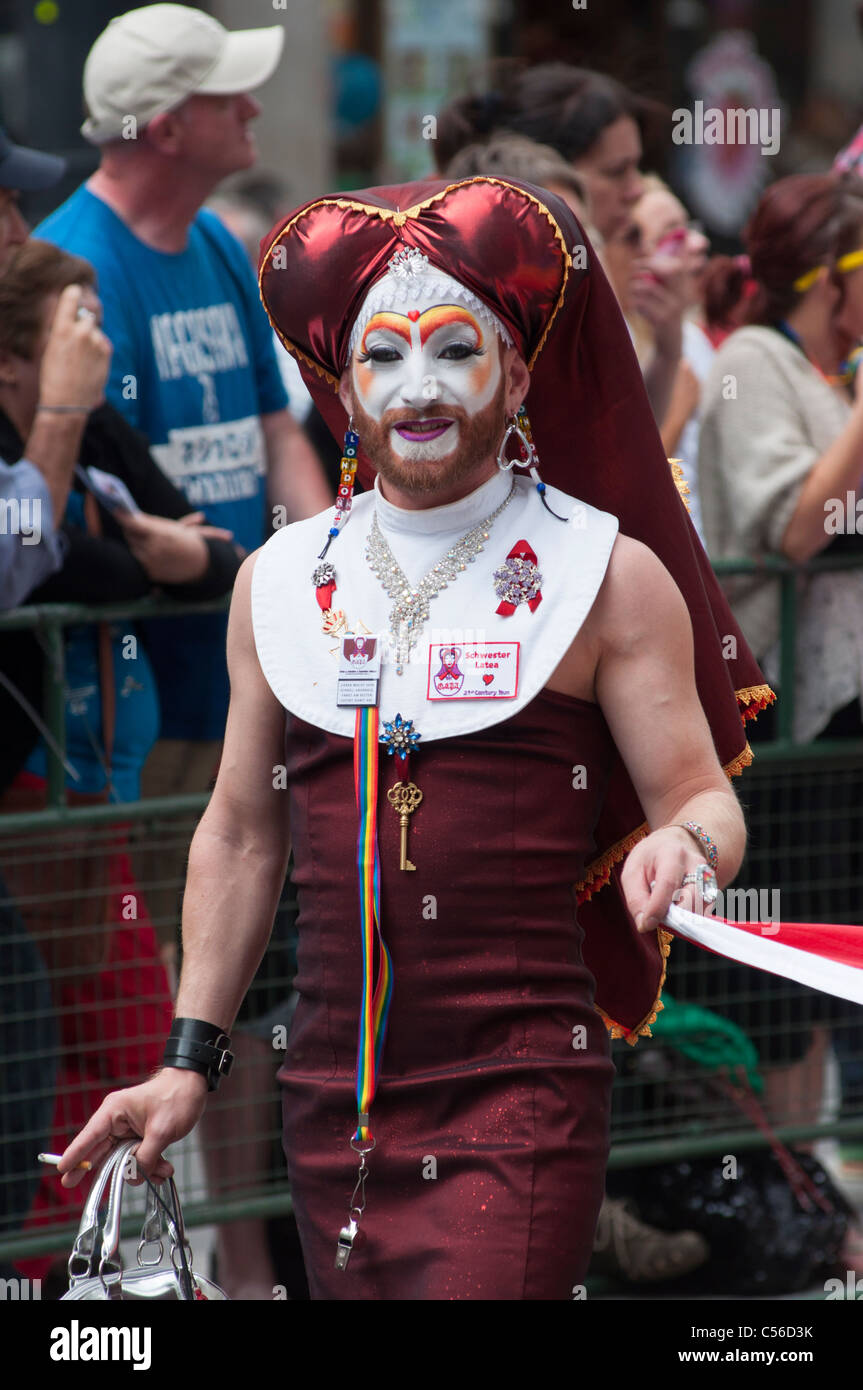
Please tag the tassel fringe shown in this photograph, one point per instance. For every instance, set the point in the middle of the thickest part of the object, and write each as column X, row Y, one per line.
column 754, row 699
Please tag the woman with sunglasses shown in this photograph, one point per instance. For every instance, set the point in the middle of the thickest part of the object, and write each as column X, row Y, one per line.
column 670, row 246
column 781, row 470
column 656, row 267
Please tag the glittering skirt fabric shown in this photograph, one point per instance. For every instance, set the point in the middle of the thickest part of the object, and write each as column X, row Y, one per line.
column 492, row 1112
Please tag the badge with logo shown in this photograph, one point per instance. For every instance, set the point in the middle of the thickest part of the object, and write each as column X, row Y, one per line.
column 473, row 671
column 449, row 679
column 359, row 671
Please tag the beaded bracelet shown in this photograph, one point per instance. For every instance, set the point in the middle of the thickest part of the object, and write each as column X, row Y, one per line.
column 704, row 840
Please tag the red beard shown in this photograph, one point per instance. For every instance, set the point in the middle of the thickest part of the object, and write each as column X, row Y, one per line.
column 477, row 442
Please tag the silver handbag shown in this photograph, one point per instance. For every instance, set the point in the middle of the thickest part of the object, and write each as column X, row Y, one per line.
column 151, row 1280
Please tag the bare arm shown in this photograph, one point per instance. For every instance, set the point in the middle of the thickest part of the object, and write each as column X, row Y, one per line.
column 838, row 470
column 53, row 445
column 239, row 855
column 296, row 477
column 659, row 376
column 73, row 373
column 645, row 684
column 237, row 866
column 684, row 400
column 659, row 299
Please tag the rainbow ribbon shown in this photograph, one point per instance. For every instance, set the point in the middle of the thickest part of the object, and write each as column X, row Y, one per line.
column 376, row 995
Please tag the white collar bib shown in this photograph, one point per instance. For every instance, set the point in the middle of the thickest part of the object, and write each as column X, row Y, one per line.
column 300, row 663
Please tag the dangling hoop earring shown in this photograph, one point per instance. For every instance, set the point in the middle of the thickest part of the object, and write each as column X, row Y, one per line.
column 522, row 424
column 504, row 463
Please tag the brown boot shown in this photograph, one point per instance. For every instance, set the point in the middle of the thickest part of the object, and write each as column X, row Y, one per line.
column 627, row 1249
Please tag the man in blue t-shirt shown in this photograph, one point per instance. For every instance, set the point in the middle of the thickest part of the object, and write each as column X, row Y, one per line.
column 194, row 367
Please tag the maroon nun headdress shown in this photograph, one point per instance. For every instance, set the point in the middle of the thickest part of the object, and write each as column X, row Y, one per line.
column 521, row 251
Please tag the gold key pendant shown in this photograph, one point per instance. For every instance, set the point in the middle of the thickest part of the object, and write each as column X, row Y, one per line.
column 404, row 798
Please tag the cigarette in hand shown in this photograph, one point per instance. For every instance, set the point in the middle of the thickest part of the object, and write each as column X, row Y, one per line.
column 55, row 1159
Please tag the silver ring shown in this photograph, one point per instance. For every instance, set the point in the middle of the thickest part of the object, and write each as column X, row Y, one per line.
column 84, row 313
column 704, row 879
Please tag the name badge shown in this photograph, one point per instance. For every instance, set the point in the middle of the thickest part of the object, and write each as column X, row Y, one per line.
column 359, row 679
column 473, row 671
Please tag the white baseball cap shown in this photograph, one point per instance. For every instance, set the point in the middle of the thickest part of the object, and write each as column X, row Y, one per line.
column 150, row 60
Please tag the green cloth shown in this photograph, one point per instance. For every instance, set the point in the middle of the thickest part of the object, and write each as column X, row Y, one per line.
column 708, row 1039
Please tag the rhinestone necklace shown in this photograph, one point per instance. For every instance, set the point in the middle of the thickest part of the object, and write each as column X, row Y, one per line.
column 411, row 608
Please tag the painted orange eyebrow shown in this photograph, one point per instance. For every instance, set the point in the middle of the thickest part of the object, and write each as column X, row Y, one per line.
column 396, row 323
column 440, row 316
column 444, row 314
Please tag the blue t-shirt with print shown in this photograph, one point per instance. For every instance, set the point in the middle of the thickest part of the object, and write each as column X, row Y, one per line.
column 194, row 368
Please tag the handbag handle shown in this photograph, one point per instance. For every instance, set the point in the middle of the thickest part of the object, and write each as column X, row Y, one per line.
column 85, row 1241
column 111, row 1265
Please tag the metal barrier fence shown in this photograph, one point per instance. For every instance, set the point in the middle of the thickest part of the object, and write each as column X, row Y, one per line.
column 89, row 916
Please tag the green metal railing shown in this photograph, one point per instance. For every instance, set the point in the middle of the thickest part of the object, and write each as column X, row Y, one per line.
column 663, row 1139
column 47, row 622
column 786, row 572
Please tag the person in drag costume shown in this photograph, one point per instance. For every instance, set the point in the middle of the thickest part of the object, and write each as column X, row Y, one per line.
column 489, row 697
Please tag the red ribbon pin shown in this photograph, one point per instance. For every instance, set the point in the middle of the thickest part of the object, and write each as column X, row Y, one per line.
column 518, row 580
column 324, row 595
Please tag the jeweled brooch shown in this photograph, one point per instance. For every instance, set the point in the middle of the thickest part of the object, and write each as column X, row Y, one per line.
column 517, row 581
column 400, row 736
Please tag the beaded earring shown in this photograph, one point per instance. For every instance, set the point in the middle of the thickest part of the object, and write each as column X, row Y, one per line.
column 347, row 479
column 324, row 575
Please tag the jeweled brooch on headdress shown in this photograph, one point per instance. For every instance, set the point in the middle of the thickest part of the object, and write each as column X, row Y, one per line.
column 408, row 262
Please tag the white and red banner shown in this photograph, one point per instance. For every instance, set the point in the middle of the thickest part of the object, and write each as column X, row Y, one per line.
column 826, row 957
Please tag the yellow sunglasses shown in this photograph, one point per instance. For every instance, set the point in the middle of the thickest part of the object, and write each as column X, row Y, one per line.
column 850, row 261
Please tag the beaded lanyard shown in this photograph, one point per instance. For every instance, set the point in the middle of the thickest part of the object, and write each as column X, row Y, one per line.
column 377, row 993
column 324, row 577
column 375, row 1008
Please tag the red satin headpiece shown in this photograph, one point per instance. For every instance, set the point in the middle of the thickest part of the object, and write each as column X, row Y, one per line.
column 522, row 251
column 320, row 263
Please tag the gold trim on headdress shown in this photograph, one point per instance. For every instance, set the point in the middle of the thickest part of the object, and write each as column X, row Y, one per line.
column 399, row 218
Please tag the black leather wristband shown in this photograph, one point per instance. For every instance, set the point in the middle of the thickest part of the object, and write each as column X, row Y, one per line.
column 194, row 1045
column 196, row 1029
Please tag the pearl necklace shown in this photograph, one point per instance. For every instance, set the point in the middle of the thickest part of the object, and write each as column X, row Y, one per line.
column 411, row 608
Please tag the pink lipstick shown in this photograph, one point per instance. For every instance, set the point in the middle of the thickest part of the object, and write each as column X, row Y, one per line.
column 419, row 431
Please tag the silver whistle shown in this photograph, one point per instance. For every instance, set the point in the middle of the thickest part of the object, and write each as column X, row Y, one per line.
column 347, row 1236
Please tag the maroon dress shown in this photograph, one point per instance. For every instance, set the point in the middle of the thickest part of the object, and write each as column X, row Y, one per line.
column 492, row 1111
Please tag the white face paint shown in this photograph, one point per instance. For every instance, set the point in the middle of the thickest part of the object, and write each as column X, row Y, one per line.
column 420, row 361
